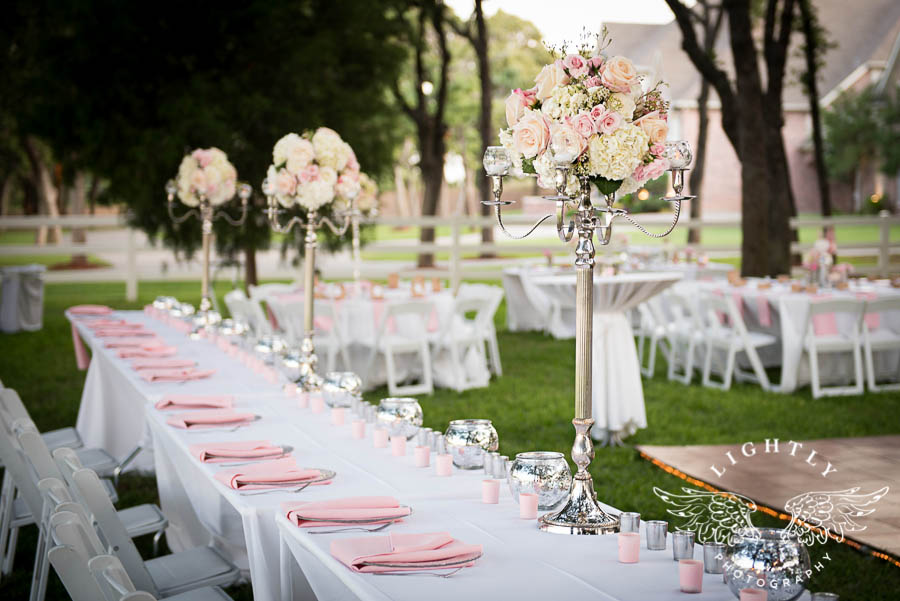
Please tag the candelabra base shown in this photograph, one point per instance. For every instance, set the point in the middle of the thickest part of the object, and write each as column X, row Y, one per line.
column 581, row 514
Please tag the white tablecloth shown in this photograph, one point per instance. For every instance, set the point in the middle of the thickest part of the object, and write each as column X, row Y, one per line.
column 519, row 562
column 527, row 308
column 618, row 396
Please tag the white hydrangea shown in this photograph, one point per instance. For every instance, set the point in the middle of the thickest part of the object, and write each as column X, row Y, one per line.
column 315, row 194
column 506, row 140
column 629, row 186
column 283, row 148
column 622, row 104
column 615, row 156
column 184, row 178
column 546, row 171
column 331, row 150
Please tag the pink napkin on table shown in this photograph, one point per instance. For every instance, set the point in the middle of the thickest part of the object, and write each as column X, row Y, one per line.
column 222, row 452
column 117, row 332
column 82, row 359
column 113, row 324
column 424, row 549
column 873, row 320
column 147, row 351
column 160, row 363
column 270, row 474
column 175, row 375
column 196, row 401
column 90, row 310
column 137, row 342
column 197, row 420
column 377, row 510
column 824, row 324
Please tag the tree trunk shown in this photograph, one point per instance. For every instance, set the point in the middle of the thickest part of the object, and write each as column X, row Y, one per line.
column 76, row 207
column 696, row 178
column 812, row 91
column 781, row 200
column 92, row 194
column 250, row 274
column 47, row 193
column 433, row 174
column 480, row 43
column 5, row 194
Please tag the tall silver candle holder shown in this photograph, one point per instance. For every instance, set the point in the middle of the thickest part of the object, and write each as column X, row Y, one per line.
column 308, row 380
column 581, row 513
column 207, row 214
column 355, row 217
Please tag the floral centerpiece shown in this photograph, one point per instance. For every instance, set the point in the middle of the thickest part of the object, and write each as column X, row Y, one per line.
column 313, row 170
column 206, row 173
column 367, row 201
column 595, row 108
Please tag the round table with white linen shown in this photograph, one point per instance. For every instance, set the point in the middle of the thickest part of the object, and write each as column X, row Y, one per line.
column 618, row 396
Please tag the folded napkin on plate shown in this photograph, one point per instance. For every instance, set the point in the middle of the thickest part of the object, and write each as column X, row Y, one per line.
column 376, row 510
column 137, row 342
column 220, row 452
column 175, row 375
column 197, row 420
column 90, row 310
column 159, row 363
column 422, row 551
column 117, row 332
column 196, row 401
column 280, row 473
column 115, row 324
column 147, row 351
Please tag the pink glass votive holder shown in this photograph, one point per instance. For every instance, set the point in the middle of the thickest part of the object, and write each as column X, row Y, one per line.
column 443, row 464
column 302, row 399
column 422, row 456
column 337, row 416
column 317, row 403
column 398, row 446
column 629, row 547
column 490, row 492
column 690, row 575
column 380, row 438
column 528, row 505
column 290, row 389
column 358, row 429
column 753, row 594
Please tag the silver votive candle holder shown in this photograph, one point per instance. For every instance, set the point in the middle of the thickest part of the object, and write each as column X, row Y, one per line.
column 714, row 558
column 656, row 534
column 503, row 468
column 682, row 545
column 422, row 436
column 490, row 463
column 440, row 445
column 629, row 521
column 823, row 597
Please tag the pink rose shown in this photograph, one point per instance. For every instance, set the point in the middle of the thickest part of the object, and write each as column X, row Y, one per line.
column 576, row 65
column 607, row 122
column 309, row 174
column 285, row 183
column 593, row 82
column 645, row 173
column 584, row 124
column 531, row 134
column 619, row 74
column 352, row 165
column 595, row 63
column 657, row 150
column 654, row 127
column 550, row 77
column 203, row 157
column 597, row 111
column 515, row 108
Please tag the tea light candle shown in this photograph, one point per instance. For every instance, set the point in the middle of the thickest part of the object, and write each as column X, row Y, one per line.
column 443, row 464
column 380, row 438
column 753, row 594
column 422, row 456
column 303, row 399
column 337, row 416
column 690, row 575
column 398, row 446
column 317, row 403
column 290, row 389
column 358, row 429
column 528, row 505
column 490, row 491
column 629, row 547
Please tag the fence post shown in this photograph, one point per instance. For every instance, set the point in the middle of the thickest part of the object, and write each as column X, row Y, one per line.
column 131, row 279
column 454, row 254
column 884, row 250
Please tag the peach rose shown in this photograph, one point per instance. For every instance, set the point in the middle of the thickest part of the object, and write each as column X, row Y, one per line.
column 531, row 134
column 550, row 77
column 515, row 108
column 567, row 139
column 285, row 183
column 584, row 124
column 619, row 74
column 654, row 126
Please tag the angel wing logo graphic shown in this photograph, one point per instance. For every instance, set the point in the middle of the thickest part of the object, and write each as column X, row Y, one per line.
column 720, row 517
column 829, row 511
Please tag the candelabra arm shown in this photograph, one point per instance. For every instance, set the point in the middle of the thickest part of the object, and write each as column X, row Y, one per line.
column 337, row 230
column 677, row 214
column 565, row 233
column 187, row 215
column 272, row 212
column 235, row 222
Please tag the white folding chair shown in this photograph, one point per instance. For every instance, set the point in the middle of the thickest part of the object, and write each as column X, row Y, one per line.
column 460, row 338
column 883, row 338
column 411, row 337
column 494, row 296
column 652, row 329
column 685, row 337
column 726, row 332
column 167, row 575
column 247, row 311
column 841, row 342
column 115, row 585
column 76, row 542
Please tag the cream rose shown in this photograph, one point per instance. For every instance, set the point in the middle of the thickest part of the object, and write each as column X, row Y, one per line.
column 550, row 77
column 515, row 108
column 567, row 139
column 654, row 126
column 622, row 104
column 619, row 74
column 299, row 155
column 531, row 134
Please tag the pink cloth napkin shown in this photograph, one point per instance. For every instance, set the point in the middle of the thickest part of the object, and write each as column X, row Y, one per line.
column 138, row 342
column 160, row 363
column 195, row 401
column 377, row 510
column 175, row 375
column 90, row 310
column 223, row 452
column 824, row 324
column 424, row 549
column 195, row 420
column 113, row 324
column 117, row 332
column 873, row 320
column 82, row 359
column 270, row 474
column 147, row 351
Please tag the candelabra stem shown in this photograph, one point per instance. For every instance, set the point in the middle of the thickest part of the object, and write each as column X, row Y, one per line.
column 310, row 381
column 357, row 256
column 206, row 211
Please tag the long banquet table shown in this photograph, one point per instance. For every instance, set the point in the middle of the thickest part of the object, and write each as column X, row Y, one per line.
column 285, row 562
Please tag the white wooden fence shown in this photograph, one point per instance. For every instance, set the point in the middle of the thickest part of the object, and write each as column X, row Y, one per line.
column 455, row 248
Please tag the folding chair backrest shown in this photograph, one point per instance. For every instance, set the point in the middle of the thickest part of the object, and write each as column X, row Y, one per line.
column 290, row 318
column 109, row 524
column 74, row 574
column 493, row 295
column 38, row 455
column 264, row 291
column 850, row 306
column 718, row 306
column 70, row 529
column 684, row 310
column 414, row 313
column 12, row 407
column 54, row 494
column 14, row 462
column 68, row 463
column 479, row 305
column 111, row 577
column 888, row 304
column 234, row 301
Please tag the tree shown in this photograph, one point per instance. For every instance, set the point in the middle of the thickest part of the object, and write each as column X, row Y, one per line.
column 752, row 118
column 427, row 23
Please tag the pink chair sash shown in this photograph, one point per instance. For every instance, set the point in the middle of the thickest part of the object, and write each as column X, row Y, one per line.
column 82, row 359
column 873, row 320
column 825, row 324
column 764, row 311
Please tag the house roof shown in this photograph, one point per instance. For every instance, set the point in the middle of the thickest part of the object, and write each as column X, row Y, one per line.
column 864, row 31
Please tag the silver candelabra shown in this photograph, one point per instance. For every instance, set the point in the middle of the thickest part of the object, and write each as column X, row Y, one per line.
column 207, row 213
column 309, row 380
column 581, row 513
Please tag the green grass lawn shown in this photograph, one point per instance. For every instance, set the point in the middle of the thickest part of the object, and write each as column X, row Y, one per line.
column 531, row 406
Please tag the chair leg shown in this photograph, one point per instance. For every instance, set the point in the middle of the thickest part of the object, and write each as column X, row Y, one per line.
column 427, row 377
column 156, row 538
column 494, row 349
column 125, row 462
column 728, row 375
column 38, row 576
column 7, row 498
column 689, row 363
column 707, row 367
column 814, row 372
column 391, row 374
column 673, row 360
column 758, row 368
column 870, row 367
column 9, row 558
column 858, row 368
